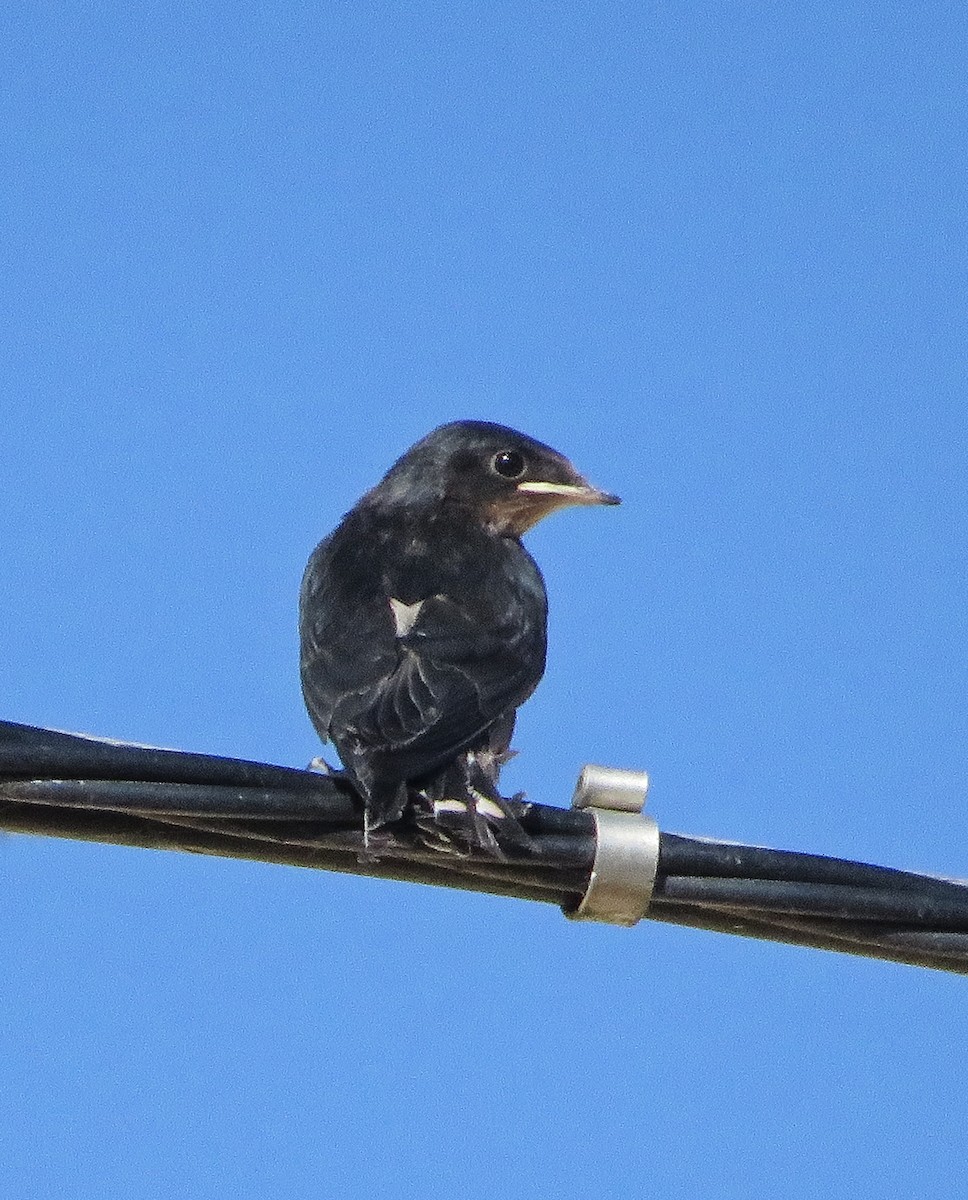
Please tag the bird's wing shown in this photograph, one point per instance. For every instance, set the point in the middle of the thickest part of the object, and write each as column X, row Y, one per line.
column 408, row 692
column 346, row 635
column 455, row 678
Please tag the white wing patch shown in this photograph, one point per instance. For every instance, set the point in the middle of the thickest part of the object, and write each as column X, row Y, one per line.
column 404, row 615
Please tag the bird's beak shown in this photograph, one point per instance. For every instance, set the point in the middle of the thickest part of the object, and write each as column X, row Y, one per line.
column 562, row 494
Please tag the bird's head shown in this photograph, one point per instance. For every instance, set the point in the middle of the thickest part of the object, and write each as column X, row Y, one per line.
column 506, row 479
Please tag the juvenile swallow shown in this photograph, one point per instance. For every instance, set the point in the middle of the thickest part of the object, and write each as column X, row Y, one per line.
column 423, row 627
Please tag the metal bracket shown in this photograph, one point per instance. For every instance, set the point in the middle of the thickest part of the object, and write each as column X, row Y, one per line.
column 627, row 847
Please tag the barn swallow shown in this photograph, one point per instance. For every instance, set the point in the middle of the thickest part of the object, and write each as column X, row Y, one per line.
column 423, row 627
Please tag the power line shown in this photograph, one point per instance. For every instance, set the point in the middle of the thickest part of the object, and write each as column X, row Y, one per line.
column 64, row 785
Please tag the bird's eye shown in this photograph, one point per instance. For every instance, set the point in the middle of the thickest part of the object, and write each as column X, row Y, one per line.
column 509, row 463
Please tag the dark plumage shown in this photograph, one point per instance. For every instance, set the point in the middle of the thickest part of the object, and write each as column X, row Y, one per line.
column 422, row 626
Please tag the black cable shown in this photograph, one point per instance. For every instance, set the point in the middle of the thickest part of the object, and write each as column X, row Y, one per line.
column 921, row 949
column 844, row 901
column 681, row 855
column 327, row 804
column 29, row 752
column 63, row 785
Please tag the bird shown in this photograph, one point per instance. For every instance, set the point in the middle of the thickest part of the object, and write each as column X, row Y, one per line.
column 423, row 628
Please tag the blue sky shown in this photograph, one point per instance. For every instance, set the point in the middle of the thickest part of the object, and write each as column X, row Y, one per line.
column 714, row 252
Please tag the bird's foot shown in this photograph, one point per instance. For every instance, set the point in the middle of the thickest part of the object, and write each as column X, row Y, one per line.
column 467, row 815
column 482, row 824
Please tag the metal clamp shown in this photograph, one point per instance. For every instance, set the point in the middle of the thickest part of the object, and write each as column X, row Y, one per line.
column 627, row 848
